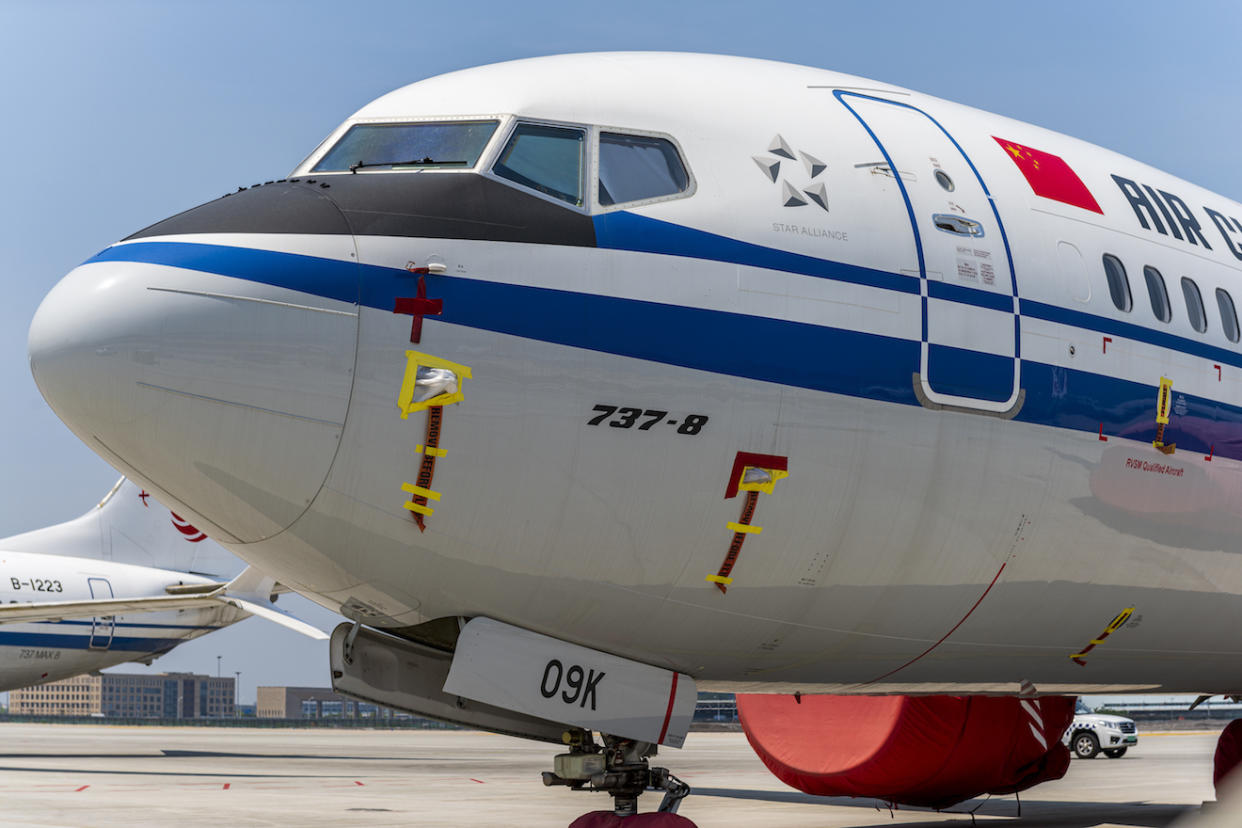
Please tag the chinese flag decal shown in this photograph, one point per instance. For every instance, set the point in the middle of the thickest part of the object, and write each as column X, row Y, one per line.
column 1049, row 176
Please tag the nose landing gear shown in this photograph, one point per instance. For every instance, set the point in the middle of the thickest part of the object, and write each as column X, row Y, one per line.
column 620, row 768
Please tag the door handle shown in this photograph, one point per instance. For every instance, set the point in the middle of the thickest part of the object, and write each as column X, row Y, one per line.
column 958, row 225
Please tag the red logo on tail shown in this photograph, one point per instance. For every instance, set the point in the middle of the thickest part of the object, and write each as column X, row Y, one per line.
column 190, row 533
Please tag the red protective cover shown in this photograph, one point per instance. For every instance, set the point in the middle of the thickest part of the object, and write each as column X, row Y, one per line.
column 650, row 819
column 654, row 819
column 597, row 819
column 1228, row 752
column 933, row 751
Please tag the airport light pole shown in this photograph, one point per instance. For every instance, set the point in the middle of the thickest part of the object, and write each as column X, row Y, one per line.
column 218, row 666
column 236, row 693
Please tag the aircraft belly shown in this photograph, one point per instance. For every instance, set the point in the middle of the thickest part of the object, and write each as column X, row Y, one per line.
column 28, row 666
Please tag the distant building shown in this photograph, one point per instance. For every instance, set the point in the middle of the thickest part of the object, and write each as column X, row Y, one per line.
column 77, row 696
column 716, row 708
column 313, row 703
column 129, row 696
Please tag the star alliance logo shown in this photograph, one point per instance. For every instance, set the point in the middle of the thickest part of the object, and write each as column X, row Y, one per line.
column 799, row 195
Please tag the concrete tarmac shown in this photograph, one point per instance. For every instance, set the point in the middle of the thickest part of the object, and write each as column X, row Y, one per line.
column 86, row 775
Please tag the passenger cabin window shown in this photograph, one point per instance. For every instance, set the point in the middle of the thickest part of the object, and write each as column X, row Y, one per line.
column 408, row 146
column 636, row 167
column 546, row 159
column 1159, row 296
column 1118, row 284
column 1194, row 305
column 1228, row 314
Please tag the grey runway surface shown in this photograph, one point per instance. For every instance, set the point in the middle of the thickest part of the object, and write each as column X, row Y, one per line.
column 85, row 775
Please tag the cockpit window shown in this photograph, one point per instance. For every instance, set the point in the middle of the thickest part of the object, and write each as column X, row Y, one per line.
column 637, row 167
column 545, row 158
column 408, row 146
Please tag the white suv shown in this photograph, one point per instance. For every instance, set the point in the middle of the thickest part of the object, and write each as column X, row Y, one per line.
column 1089, row 734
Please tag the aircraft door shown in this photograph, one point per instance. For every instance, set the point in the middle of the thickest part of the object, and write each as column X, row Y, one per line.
column 102, row 628
column 970, row 355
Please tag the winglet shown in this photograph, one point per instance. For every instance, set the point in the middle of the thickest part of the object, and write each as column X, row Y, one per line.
column 252, row 591
column 275, row 616
column 252, row 584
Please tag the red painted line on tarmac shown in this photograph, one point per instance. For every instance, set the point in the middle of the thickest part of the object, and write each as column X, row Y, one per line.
column 950, row 632
column 480, row 781
column 356, row 782
column 79, row 790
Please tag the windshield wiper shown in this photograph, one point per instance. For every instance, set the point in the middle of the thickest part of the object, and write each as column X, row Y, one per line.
column 417, row 162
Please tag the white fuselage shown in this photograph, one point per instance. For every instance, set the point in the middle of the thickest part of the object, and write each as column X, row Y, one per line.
column 38, row 652
column 953, row 518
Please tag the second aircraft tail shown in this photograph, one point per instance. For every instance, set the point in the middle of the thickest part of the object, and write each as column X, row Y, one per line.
column 130, row 526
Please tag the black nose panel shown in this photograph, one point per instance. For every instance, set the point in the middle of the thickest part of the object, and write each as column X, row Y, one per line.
column 455, row 206
column 280, row 207
column 429, row 206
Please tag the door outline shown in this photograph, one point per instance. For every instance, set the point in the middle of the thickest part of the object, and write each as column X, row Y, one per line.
column 102, row 628
column 923, row 388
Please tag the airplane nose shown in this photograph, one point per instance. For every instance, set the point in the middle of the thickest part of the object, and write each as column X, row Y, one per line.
column 224, row 393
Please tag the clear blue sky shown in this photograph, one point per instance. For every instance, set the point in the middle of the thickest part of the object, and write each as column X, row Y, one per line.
column 118, row 114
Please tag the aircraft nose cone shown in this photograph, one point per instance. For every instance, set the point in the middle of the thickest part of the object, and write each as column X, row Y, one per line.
column 224, row 394
column 73, row 338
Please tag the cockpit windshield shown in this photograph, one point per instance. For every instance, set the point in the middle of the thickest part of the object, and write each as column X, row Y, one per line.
column 453, row 144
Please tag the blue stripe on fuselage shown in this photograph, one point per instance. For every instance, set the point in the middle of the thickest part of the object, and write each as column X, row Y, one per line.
column 970, row 374
column 627, row 231
column 789, row 353
column 82, row 642
column 755, row 347
column 120, row 624
column 1128, row 330
column 329, row 278
column 970, row 296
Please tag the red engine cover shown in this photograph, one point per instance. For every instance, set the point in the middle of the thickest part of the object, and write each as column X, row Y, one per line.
column 916, row 750
column 1228, row 753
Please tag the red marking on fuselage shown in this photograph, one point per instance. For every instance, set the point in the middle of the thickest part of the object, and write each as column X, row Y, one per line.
column 1103, row 439
column 418, row 305
column 759, row 461
column 950, row 632
column 1107, row 340
column 79, row 790
column 226, row 785
column 427, row 465
column 739, row 538
column 668, row 713
column 143, row 495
